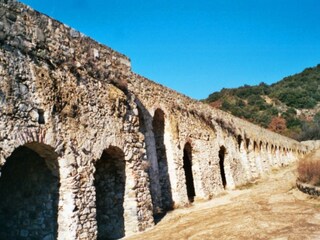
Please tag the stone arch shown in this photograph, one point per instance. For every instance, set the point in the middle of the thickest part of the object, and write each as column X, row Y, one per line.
column 29, row 193
column 262, row 161
column 260, row 146
column 247, row 143
column 256, row 158
column 145, row 127
column 251, row 157
column 244, row 155
column 255, row 146
column 269, row 157
column 158, row 126
column 284, row 151
column 187, row 166
column 270, row 154
column 277, row 154
column 258, row 152
column 109, row 182
column 222, row 155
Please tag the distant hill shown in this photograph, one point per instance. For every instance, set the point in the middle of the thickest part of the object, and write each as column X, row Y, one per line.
column 290, row 107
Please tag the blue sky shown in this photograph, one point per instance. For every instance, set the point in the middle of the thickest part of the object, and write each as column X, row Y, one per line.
column 198, row 47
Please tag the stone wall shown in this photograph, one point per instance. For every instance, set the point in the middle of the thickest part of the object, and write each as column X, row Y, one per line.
column 312, row 144
column 58, row 89
column 123, row 148
column 250, row 151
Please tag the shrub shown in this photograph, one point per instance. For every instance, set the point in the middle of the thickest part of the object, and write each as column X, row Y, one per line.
column 310, row 131
column 277, row 124
column 309, row 171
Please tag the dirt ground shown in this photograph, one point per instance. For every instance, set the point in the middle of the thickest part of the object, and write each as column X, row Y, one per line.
column 272, row 208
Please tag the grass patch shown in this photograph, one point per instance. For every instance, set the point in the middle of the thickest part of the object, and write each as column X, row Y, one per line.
column 275, row 170
column 247, row 185
column 316, row 206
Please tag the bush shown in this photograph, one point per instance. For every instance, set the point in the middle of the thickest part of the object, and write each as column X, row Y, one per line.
column 309, row 171
column 310, row 131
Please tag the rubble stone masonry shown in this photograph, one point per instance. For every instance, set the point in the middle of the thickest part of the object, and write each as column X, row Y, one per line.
column 91, row 150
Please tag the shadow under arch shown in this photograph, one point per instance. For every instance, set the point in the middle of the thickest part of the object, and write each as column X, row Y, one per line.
column 222, row 155
column 239, row 141
column 187, row 166
column 247, row 145
column 29, row 193
column 158, row 126
column 109, row 182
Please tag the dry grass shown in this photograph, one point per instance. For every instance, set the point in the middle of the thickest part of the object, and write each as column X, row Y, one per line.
column 309, row 171
column 247, row 185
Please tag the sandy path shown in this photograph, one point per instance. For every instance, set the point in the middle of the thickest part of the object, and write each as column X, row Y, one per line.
column 271, row 209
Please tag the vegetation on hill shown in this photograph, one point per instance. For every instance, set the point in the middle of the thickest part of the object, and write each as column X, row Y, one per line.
column 290, row 107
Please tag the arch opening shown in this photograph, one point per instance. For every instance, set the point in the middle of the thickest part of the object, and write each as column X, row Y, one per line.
column 142, row 124
column 239, row 139
column 255, row 147
column 187, row 166
column 109, row 182
column 247, row 143
column 158, row 125
column 222, row 154
column 260, row 145
column 29, row 194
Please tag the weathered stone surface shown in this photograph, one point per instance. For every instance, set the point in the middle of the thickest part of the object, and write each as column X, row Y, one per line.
column 69, row 99
column 312, row 145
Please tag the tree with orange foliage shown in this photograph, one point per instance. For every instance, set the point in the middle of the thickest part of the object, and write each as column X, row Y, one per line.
column 277, row 124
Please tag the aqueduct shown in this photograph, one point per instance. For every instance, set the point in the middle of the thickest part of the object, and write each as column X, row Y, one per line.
column 89, row 149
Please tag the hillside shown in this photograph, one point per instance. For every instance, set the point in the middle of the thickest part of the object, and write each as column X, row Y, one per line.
column 290, row 107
